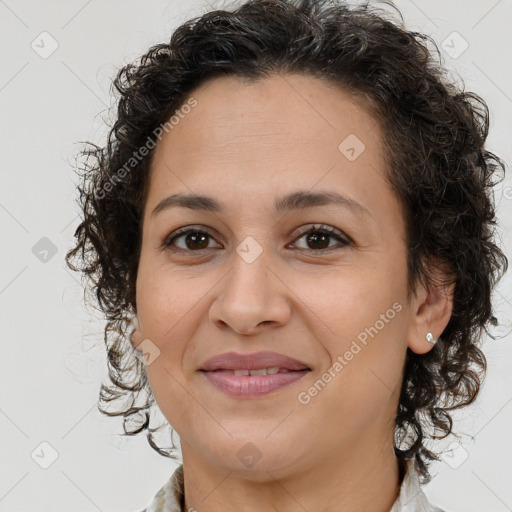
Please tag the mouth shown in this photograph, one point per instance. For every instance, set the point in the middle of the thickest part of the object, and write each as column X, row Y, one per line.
column 253, row 375
column 243, row 372
column 252, row 386
column 258, row 363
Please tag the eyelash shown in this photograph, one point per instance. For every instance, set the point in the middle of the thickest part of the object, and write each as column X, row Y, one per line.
column 321, row 228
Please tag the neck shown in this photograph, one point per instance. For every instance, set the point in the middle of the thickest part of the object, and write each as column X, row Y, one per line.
column 353, row 480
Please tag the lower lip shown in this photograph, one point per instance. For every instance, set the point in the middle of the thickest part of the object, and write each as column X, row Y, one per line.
column 247, row 386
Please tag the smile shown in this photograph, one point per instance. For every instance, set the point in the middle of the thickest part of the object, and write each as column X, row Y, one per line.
column 261, row 371
column 253, row 383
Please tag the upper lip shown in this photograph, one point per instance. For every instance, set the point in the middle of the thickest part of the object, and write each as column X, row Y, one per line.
column 235, row 361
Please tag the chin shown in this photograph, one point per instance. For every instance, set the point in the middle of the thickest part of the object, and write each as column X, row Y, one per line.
column 254, row 457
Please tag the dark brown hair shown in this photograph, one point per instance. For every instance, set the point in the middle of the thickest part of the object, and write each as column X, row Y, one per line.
column 438, row 166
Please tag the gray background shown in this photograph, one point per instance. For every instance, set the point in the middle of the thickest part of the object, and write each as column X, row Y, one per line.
column 53, row 359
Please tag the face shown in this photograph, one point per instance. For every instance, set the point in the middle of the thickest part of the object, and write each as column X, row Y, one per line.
column 321, row 282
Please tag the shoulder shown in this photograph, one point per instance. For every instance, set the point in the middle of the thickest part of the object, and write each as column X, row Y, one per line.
column 170, row 497
column 411, row 497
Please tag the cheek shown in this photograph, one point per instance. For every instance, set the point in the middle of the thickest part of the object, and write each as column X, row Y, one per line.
column 171, row 309
column 360, row 321
column 164, row 299
column 344, row 303
column 161, row 313
column 360, row 383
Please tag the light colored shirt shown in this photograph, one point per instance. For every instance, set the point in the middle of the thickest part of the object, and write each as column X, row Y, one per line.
column 170, row 497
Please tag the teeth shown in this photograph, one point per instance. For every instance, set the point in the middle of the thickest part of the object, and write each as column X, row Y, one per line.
column 262, row 371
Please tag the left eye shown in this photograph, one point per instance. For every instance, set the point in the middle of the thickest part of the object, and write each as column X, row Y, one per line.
column 197, row 240
column 320, row 235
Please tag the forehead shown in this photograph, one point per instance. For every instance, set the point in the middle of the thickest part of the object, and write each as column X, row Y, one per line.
column 278, row 109
column 278, row 133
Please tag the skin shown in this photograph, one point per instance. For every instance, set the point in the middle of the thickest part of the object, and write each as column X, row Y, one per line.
column 245, row 145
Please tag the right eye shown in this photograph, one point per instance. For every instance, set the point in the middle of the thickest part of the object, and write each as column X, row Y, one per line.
column 194, row 240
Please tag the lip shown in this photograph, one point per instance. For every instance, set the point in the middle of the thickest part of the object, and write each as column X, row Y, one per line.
column 254, row 361
column 217, row 369
column 252, row 386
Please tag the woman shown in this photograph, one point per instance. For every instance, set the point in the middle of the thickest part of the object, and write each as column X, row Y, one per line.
column 290, row 231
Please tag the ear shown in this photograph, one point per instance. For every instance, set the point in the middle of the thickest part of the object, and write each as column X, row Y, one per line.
column 431, row 308
column 136, row 333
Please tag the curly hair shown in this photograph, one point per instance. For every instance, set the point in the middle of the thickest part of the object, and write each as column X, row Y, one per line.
column 437, row 165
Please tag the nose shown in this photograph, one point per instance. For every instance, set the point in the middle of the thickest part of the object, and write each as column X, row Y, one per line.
column 251, row 297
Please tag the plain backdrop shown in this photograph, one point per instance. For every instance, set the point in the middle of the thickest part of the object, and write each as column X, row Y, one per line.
column 58, row 453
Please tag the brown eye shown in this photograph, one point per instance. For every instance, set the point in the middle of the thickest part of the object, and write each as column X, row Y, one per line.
column 193, row 240
column 318, row 238
column 196, row 240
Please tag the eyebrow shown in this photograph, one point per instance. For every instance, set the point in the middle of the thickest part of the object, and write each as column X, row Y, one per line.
column 297, row 200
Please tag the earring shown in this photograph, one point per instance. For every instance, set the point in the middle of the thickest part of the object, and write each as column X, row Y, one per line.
column 430, row 338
